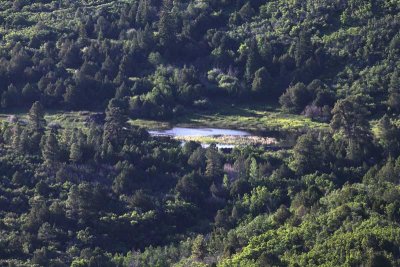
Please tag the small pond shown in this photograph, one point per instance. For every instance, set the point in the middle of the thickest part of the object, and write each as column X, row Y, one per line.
column 197, row 132
column 223, row 138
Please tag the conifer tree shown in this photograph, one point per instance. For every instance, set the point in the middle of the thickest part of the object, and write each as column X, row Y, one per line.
column 116, row 123
column 16, row 139
column 389, row 136
column 51, row 149
column 306, row 155
column 122, row 182
column 122, row 91
column 132, row 13
column 94, row 136
column 109, row 68
column 303, row 48
column 252, row 63
column 261, row 85
column 254, row 174
column 350, row 120
column 213, row 163
column 394, row 92
column 29, row 93
column 36, row 121
column 25, row 144
column 295, row 98
column 166, row 25
column 77, row 147
column 143, row 12
column 76, row 153
column 246, row 12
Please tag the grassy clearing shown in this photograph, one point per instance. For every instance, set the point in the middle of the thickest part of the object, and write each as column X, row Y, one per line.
column 68, row 120
column 152, row 124
column 237, row 117
column 254, row 118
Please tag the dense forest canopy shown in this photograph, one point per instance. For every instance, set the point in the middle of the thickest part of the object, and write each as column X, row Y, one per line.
column 168, row 55
column 107, row 193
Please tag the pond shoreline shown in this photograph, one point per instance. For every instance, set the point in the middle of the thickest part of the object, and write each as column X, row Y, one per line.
column 221, row 137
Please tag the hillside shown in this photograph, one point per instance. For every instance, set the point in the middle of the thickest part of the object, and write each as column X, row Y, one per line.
column 169, row 56
column 84, row 183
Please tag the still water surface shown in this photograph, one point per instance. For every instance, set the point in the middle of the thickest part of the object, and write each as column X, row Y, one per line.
column 180, row 131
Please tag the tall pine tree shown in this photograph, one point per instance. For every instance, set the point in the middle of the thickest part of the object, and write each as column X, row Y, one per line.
column 116, row 123
column 51, row 149
column 394, row 92
column 36, row 121
column 167, row 26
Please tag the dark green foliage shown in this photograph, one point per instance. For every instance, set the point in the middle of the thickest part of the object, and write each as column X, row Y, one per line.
column 116, row 118
column 388, row 136
column 295, row 98
column 83, row 63
column 166, row 26
column 394, row 92
column 306, row 154
column 51, row 150
column 262, row 83
column 349, row 120
column 36, row 121
column 213, row 163
column 108, row 194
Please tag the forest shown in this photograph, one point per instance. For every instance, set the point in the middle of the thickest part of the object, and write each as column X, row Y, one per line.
column 103, row 191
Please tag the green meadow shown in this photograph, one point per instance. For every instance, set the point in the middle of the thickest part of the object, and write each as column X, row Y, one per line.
column 241, row 117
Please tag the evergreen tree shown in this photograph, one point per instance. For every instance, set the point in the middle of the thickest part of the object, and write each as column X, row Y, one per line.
column 350, row 120
column 213, row 163
column 78, row 142
column 71, row 94
column 306, row 155
column 295, row 98
column 261, row 85
column 36, row 121
column 30, row 93
column 166, row 26
column 254, row 173
column 10, row 98
column 388, row 172
column 25, row 144
column 143, row 13
column 109, row 68
column 246, row 12
column 122, row 183
column 131, row 16
column 16, row 139
column 116, row 122
column 197, row 158
column 252, row 63
column 189, row 187
column 51, row 149
column 122, row 91
column 388, row 137
column 76, row 152
column 94, row 139
column 303, row 49
column 240, row 167
column 394, row 92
